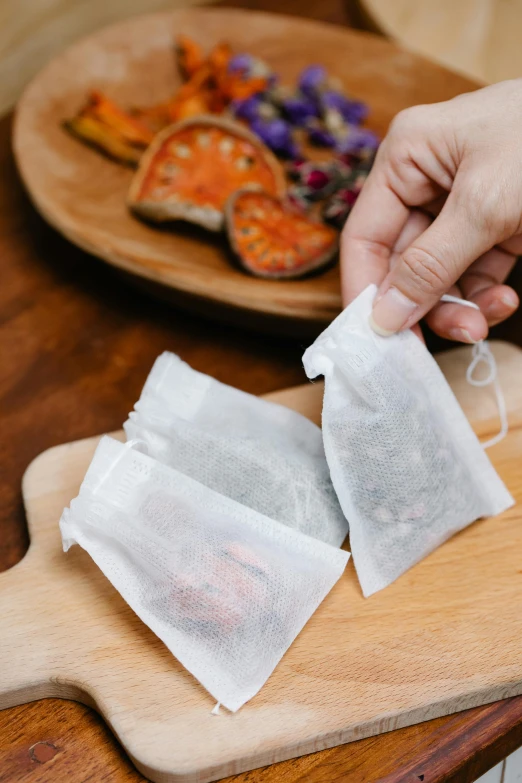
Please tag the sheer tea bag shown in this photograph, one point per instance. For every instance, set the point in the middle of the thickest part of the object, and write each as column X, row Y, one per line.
column 225, row 588
column 263, row 455
column 407, row 468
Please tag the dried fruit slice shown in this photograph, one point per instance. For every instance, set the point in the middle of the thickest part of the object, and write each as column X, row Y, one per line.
column 273, row 241
column 96, row 134
column 104, row 125
column 191, row 169
column 123, row 123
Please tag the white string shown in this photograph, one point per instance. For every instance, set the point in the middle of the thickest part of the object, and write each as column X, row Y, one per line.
column 482, row 353
column 130, row 444
column 215, row 709
column 455, row 300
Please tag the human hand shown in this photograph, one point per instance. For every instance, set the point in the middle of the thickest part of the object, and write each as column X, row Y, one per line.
column 441, row 212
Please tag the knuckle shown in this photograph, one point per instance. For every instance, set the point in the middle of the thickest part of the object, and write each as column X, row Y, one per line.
column 481, row 202
column 490, row 206
column 426, row 273
column 408, row 119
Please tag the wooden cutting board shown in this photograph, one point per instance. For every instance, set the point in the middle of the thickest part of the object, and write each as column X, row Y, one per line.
column 83, row 194
column 443, row 638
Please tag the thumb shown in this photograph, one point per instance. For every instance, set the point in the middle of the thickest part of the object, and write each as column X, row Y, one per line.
column 430, row 266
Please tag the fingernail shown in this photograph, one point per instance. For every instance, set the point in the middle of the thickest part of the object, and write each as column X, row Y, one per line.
column 462, row 336
column 391, row 312
column 510, row 300
column 498, row 307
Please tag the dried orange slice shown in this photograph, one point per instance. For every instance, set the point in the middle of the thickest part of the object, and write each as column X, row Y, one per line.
column 191, row 169
column 272, row 241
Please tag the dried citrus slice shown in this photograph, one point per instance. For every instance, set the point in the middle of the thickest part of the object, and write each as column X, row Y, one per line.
column 191, row 169
column 272, row 241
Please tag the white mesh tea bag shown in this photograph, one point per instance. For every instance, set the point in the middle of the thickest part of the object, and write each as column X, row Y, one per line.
column 225, row 588
column 407, row 468
column 263, row 455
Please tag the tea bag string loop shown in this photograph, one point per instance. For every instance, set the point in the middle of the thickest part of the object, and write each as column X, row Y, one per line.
column 481, row 353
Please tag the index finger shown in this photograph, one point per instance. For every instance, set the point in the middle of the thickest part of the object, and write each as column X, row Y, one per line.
column 369, row 236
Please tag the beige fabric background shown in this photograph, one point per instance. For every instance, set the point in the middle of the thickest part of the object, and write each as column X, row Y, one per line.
column 32, row 31
column 480, row 38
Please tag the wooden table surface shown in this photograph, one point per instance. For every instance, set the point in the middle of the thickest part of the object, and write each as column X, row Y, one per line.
column 76, row 344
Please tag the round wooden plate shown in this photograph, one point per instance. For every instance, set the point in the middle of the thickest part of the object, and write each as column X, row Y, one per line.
column 82, row 194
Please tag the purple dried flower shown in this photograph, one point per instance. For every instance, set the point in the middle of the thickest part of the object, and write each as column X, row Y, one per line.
column 277, row 135
column 254, row 108
column 248, row 109
column 320, row 136
column 240, row 62
column 249, row 66
column 299, row 109
column 353, row 112
column 356, row 112
column 311, row 79
column 356, row 140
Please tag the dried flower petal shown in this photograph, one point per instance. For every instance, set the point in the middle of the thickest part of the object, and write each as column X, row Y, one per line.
column 339, row 206
column 267, row 110
column 248, row 109
column 240, row 62
column 312, row 79
column 320, row 135
column 334, row 122
column 356, row 140
column 299, row 109
column 353, row 112
column 250, row 66
column 277, row 135
column 189, row 55
column 317, row 179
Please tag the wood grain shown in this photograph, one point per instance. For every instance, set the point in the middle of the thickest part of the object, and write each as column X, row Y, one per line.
column 478, row 38
column 84, row 195
column 442, row 638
